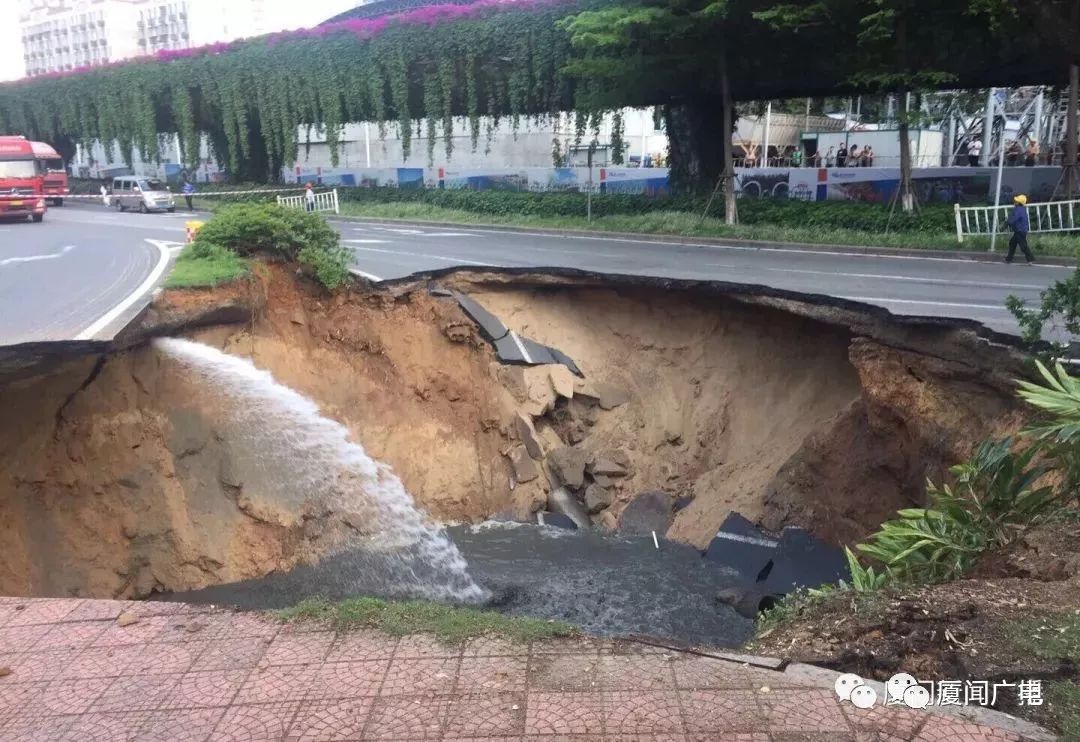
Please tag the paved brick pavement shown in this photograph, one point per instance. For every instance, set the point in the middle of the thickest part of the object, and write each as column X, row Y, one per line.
column 190, row 673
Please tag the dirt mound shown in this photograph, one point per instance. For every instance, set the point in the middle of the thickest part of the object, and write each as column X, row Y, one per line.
column 117, row 478
column 996, row 627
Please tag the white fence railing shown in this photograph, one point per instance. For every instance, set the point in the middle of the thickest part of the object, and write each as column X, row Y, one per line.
column 1050, row 216
column 324, row 201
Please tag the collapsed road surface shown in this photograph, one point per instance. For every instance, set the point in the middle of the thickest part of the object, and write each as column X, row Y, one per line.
column 58, row 295
column 292, row 426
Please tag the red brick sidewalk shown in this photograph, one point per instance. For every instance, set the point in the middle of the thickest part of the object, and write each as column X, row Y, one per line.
column 188, row 673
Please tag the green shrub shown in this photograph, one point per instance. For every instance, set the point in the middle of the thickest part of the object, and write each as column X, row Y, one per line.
column 273, row 230
column 331, row 266
column 251, row 228
column 996, row 497
column 997, row 494
column 1059, row 305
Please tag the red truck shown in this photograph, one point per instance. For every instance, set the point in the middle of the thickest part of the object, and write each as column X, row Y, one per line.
column 22, row 180
column 51, row 165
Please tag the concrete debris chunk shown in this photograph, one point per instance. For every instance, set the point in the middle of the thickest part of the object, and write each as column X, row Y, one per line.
column 527, row 435
column 597, row 498
column 525, row 469
column 562, row 380
column 567, row 465
column 606, row 467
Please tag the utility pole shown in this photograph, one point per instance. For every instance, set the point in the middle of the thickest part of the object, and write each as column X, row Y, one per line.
column 988, row 128
column 951, row 148
column 1037, row 129
column 1001, row 164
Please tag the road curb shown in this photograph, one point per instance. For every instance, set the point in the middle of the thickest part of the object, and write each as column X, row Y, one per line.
column 980, row 257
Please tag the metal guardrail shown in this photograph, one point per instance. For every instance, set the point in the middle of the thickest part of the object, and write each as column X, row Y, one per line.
column 1049, row 216
column 327, row 201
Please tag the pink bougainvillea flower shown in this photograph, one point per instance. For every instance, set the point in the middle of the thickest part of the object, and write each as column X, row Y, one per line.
column 362, row 28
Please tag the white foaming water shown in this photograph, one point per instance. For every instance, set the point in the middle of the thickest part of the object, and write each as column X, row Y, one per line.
column 309, row 462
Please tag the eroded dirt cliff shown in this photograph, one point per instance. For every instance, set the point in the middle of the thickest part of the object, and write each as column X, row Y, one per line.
column 120, row 475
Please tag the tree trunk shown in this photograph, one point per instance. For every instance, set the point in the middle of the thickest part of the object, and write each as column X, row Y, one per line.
column 694, row 146
column 730, row 215
column 906, row 195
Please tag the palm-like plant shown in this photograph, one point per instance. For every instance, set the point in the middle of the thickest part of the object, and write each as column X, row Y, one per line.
column 1059, row 433
column 996, row 496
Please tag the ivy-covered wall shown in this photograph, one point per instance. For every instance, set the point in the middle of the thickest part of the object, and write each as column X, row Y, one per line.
column 417, row 69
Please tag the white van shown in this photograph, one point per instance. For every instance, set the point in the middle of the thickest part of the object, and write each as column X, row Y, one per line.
column 144, row 194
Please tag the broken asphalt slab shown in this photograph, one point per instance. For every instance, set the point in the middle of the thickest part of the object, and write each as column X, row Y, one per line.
column 509, row 346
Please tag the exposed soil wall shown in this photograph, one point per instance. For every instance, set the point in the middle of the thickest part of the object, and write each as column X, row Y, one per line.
column 117, row 477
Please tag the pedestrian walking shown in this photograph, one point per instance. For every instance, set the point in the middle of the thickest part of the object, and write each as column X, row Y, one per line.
column 104, row 194
column 796, row 157
column 869, row 153
column 830, row 157
column 841, row 156
column 188, row 189
column 974, row 151
column 1018, row 222
column 309, row 197
column 853, row 155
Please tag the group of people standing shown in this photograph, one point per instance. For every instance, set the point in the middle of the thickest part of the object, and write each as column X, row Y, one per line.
column 850, row 156
column 1015, row 154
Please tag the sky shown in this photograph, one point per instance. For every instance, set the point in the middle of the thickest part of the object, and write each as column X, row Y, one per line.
column 279, row 14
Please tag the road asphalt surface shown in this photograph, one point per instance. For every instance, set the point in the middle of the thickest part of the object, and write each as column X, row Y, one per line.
column 86, row 270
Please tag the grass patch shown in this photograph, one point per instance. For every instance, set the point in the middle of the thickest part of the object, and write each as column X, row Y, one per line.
column 205, row 266
column 1049, row 637
column 450, row 624
column 1063, row 707
column 1053, row 637
column 685, row 224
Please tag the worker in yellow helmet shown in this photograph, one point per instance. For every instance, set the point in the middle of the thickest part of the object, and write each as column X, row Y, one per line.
column 1019, row 223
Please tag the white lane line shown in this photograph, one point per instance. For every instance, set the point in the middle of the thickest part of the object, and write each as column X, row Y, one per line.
column 367, row 242
column 426, row 255
column 33, row 258
column 882, row 300
column 520, row 347
column 890, row 277
column 103, row 321
column 400, row 231
column 365, row 274
column 446, row 234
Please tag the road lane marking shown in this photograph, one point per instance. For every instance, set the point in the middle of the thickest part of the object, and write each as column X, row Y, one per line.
column 31, row 258
column 520, row 347
column 427, row 255
column 367, row 242
column 887, row 276
column 104, row 320
column 365, row 274
column 882, row 300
